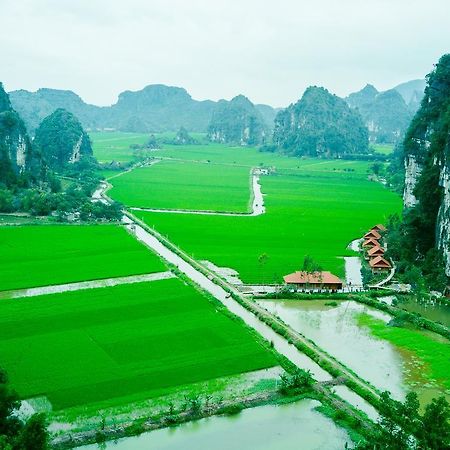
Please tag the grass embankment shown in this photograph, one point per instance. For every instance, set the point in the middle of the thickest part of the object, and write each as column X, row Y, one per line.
column 433, row 353
column 115, row 145
column 188, row 186
column 118, row 345
column 44, row 255
column 310, row 212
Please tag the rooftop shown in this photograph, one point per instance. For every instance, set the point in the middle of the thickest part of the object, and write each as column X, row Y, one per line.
column 302, row 277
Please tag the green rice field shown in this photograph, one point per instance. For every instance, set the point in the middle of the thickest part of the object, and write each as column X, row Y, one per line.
column 34, row 256
column 313, row 207
column 120, row 344
column 185, row 185
column 115, row 145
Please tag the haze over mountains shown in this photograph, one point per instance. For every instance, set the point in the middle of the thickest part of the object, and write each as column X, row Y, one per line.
column 157, row 108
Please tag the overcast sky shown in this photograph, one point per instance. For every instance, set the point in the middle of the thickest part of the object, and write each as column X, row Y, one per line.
column 268, row 50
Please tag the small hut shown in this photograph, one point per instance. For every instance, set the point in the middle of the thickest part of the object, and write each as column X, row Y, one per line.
column 375, row 251
column 372, row 234
column 370, row 242
column 379, row 264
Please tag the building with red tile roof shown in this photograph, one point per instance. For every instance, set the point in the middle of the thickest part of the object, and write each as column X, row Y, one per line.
column 313, row 280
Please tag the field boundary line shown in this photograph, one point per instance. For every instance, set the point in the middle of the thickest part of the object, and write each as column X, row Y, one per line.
column 81, row 285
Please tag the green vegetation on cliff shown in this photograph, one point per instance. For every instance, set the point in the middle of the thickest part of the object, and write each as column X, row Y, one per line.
column 62, row 140
column 385, row 114
column 19, row 165
column 320, row 124
column 237, row 122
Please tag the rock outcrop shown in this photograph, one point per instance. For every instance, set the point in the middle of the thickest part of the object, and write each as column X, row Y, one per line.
column 17, row 158
column 62, row 140
column 237, row 122
column 385, row 114
column 320, row 124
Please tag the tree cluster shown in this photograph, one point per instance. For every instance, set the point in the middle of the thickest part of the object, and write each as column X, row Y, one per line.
column 402, row 427
column 17, row 433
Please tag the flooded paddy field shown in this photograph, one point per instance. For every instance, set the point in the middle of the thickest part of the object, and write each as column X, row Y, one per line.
column 272, row 427
column 390, row 358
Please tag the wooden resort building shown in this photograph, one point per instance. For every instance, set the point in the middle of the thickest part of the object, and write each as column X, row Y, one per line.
column 375, row 251
column 372, row 234
column 313, row 280
column 370, row 242
column 379, row 227
column 379, row 264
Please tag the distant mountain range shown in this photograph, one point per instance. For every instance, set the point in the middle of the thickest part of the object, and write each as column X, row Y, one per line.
column 158, row 108
column 387, row 114
column 155, row 108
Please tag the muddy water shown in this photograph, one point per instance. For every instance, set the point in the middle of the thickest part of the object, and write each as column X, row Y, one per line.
column 287, row 427
column 335, row 329
column 436, row 312
column 280, row 344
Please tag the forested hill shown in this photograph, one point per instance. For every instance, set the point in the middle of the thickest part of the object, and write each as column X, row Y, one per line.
column 320, row 124
column 19, row 164
column 237, row 122
column 61, row 139
column 423, row 239
column 387, row 114
column 152, row 109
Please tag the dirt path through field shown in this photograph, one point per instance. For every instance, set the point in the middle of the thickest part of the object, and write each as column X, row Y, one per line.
column 108, row 282
column 256, row 195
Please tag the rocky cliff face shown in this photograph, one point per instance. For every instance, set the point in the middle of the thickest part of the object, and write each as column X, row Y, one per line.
column 17, row 158
column 62, row 140
column 427, row 159
column 443, row 222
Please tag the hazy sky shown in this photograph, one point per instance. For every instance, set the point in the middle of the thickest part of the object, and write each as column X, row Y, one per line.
column 269, row 50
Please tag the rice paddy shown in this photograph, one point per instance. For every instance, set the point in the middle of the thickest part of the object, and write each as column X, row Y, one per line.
column 44, row 255
column 115, row 145
column 120, row 344
column 313, row 207
column 185, row 185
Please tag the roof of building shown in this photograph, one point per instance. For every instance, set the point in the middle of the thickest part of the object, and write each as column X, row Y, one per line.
column 376, row 249
column 379, row 227
column 373, row 233
column 370, row 242
column 302, row 277
column 379, row 262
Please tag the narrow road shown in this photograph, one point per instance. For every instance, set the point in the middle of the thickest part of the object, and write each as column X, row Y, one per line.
column 105, row 282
